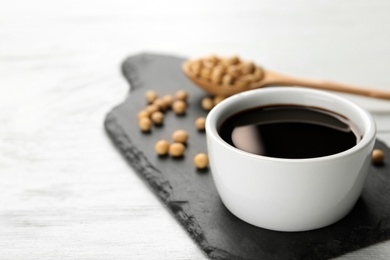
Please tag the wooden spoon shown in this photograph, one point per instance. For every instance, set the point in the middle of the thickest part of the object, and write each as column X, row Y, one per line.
column 271, row 78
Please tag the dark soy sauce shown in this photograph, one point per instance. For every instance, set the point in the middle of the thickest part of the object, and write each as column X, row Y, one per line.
column 290, row 131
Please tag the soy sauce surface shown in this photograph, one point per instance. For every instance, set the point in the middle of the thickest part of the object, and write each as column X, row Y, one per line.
column 289, row 131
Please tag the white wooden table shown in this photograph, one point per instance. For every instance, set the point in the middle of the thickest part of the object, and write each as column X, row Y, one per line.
column 65, row 192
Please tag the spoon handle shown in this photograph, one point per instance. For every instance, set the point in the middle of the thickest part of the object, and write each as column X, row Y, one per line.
column 277, row 79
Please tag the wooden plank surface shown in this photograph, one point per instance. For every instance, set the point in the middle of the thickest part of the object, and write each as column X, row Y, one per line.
column 65, row 192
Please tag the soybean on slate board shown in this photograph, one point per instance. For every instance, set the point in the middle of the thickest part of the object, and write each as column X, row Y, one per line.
column 191, row 195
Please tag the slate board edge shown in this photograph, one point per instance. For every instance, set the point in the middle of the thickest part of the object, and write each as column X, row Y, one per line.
column 151, row 174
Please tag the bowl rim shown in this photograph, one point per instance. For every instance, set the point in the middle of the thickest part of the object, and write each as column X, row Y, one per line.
column 212, row 118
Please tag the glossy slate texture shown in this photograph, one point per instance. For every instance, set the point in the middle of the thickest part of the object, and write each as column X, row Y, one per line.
column 191, row 195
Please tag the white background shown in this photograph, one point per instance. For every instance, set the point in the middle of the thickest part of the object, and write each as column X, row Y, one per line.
column 65, row 192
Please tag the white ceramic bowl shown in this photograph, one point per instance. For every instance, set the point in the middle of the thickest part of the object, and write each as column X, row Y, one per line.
column 289, row 194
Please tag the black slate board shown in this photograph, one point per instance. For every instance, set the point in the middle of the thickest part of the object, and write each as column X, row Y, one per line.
column 192, row 198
